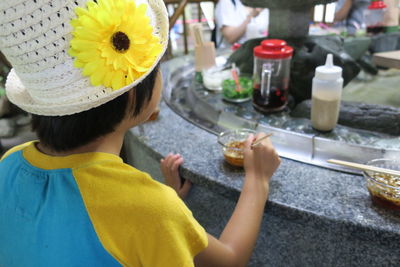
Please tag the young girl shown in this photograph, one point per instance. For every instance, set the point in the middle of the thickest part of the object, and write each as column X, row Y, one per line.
column 88, row 72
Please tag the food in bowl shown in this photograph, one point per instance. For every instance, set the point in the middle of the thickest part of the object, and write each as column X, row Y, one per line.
column 214, row 77
column 233, row 153
column 233, row 145
column 231, row 93
column 384, row 188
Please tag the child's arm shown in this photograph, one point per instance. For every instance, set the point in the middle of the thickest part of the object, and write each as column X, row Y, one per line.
column 233, row 33
column 236, row 243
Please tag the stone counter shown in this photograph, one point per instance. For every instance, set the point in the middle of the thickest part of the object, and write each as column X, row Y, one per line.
column 314, row 216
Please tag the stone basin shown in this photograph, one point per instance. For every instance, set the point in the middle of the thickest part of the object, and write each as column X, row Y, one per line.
column 285, row 4
column 314, row 216
column 288, row 18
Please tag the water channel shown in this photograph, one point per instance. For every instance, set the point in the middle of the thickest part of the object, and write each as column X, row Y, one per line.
column 294, row 138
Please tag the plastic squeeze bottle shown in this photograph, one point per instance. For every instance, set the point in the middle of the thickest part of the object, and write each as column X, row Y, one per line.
column 326, row 95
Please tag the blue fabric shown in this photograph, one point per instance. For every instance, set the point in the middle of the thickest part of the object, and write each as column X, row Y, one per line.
column 43, row 220
column 355, row 18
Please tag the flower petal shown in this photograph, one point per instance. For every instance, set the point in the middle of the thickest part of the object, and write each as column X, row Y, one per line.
column 91, row 67
column 117, row 80
column 97, row 77
column 93, row 50
column 79, row 44
column 108, row 78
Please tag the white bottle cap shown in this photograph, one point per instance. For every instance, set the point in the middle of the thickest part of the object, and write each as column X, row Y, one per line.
column 328, row 71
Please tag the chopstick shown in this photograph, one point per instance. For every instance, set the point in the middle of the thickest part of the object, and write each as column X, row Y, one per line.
column 257, row 142
column 364, row 167
column 236, row 77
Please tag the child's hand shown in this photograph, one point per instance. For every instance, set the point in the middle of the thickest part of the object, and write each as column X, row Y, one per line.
column 169, row 168
column 262, row 160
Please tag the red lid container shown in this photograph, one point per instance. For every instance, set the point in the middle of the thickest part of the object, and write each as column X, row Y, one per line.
column 273, row 49
column 377, row 5
column 235, row 46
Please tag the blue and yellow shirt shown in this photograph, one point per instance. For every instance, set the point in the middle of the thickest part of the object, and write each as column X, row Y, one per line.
column 90, row 209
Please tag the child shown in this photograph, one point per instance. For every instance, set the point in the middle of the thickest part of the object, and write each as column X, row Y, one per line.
column 87, row 72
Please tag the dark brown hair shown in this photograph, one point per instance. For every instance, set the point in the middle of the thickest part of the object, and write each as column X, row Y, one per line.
column 63, row 133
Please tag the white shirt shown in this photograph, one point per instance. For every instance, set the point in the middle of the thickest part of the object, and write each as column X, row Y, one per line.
column 227, row 14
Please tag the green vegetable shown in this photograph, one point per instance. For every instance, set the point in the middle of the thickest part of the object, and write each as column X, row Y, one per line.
column 229, row 88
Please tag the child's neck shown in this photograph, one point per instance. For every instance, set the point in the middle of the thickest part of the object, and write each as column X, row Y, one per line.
column 111, row 143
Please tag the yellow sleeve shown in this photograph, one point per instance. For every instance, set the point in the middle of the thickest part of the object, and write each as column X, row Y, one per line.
column 15, row 149
column 176, row 238
column 138, row 220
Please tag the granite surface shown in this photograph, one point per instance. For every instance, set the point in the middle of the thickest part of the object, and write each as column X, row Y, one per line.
column 313, row 215
column 285, row 238
column 298, row 189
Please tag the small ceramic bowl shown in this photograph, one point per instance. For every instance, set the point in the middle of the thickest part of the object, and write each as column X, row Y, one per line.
column 384, row 189
column 213, row 78
column 232, row 143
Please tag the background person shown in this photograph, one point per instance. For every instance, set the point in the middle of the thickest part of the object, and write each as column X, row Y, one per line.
column 350, row 14
column 236, row 23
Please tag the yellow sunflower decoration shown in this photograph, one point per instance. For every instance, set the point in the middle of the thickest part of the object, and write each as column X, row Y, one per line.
column 113, row 42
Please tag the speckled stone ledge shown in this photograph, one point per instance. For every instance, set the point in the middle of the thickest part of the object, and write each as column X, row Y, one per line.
column 331, row 209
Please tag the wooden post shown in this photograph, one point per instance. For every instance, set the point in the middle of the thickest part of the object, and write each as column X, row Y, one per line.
column 4, row 61
column 199, row 12
column 185, row 33
column 178, row 12
column 4, row 70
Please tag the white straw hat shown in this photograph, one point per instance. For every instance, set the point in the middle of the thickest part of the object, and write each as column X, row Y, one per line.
column 69, row 56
